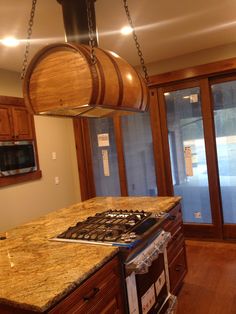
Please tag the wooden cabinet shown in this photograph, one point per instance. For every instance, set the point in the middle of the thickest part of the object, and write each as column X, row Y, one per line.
column 15, row 123
column 5, row 123
column 101, row 293
column 176, row 249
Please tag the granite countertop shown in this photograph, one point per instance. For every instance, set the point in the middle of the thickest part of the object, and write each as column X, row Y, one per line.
column 36, row 273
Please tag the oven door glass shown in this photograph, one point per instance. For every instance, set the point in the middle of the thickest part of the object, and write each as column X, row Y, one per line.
column 152, row 287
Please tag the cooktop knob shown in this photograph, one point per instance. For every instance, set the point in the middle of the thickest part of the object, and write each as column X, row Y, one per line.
column 133, row 235
column 132, row 222
column 127, row 240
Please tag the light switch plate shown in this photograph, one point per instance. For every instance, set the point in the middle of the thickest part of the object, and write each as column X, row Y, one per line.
column 54, row 155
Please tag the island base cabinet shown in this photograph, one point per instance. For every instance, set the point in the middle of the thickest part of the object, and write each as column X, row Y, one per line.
column 101, row 293
column 177, row 271
column 176, row 252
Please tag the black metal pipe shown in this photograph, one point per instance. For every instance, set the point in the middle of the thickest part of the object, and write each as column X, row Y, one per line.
column 76, row 21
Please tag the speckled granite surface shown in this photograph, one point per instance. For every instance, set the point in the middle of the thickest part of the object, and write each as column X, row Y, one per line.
column 36, row 273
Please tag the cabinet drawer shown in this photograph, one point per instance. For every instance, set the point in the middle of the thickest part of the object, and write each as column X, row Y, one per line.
column 175, row 244
column 174, row 221
column 100, row 289
column 177, row 270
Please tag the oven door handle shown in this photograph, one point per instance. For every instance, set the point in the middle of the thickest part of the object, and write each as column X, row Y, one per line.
column 141, row 262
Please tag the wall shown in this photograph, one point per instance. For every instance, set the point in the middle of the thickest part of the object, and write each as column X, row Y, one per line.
column 193, row 59
column 10, row 84
column 23, row 202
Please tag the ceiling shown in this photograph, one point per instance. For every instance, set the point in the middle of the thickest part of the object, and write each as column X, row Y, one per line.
column 165, row 28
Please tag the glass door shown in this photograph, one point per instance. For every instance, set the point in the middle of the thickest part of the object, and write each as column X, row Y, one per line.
column 188, row 154
column 188, row 140
column 104, row 157
column 138, row 153
column 224, row 100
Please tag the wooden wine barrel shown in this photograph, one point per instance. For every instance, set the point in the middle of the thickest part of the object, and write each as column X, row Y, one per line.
column 61, row 80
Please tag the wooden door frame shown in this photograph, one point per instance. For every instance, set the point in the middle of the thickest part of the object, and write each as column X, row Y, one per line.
column 120, row 155
column 214, row 72
column 211, row 156
column 229, row 230
column 213, row 230
column 158, row 146
column 223, row 67
column 84, row 158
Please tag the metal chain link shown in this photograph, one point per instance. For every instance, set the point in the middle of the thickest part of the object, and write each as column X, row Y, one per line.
column 140, row 54
column 92, row 35
column 29, row 33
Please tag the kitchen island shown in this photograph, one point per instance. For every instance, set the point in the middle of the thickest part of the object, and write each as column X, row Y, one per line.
column 36, row 273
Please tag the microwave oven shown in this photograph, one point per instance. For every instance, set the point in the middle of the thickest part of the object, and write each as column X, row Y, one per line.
column 17, row 158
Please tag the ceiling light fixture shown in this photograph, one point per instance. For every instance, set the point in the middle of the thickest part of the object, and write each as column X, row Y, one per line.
column 126, row 30
column 10, row 42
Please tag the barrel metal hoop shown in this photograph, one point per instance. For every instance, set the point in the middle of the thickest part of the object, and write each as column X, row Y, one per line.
column 94, row 74
column 102, row 80
column 142, row 91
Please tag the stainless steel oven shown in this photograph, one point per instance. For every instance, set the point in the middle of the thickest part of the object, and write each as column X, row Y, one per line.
column 17, row 158
column 147, row 277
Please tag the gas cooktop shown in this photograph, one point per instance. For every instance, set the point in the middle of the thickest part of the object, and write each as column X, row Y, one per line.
column 112, row 227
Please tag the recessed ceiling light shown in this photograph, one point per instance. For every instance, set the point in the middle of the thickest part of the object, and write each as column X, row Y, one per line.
column 10, row 42
column 126, row 30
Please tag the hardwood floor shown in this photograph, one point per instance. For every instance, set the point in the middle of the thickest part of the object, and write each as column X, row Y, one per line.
column 210, row 285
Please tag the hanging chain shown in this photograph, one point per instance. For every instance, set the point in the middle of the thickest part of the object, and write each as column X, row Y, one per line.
column 140, row 54
column 29, row 33
column 92, row 35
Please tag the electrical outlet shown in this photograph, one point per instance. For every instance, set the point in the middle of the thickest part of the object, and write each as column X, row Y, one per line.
column 56, row 180
column 54, row 155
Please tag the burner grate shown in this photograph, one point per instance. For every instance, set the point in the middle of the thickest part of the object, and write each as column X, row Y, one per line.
column 108, row 226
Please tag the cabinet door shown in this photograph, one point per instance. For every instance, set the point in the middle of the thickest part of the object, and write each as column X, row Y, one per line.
column 177, row 271
column 99, row 294
column 22, row 124
column 5, row 123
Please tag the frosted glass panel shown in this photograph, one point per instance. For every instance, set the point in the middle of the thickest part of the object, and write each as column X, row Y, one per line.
column 105, row 166
column 138, row 151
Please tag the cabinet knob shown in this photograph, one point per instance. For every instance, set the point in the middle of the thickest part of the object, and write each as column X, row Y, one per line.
column 172, row 217
column 91, row 295
column 178, row 267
